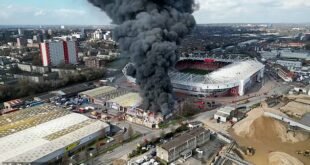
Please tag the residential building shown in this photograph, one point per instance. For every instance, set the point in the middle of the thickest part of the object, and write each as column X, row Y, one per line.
column 98, row 34
column 13, row 104
column 33, row 68
column 285, row 74
column 58, row 52
column 21, row 42
column 183, row 145
column 33, row 78
column 94, row 62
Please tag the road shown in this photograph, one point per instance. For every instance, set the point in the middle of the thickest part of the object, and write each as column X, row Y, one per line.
column 124, row 150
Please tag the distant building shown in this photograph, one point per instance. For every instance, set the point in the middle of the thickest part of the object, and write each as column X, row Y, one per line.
column 33, row 78
column 20, row 32
column 33, row 68
column 289, row 64
column 13, row 103
column 97, row 35
column 21, row 42
column 94, row 62
column 183, row 145
column 285, row 74
column 107, row 35
column 50, row 32
column 58, row 52
column 297, row 55
column 38, row 38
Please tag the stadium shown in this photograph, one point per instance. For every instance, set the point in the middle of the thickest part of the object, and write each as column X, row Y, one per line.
column 231, row 75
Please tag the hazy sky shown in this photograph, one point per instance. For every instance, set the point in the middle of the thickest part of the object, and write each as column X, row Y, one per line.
column 79, row 12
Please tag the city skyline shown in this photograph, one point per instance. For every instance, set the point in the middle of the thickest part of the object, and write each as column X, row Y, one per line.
column 80, row 12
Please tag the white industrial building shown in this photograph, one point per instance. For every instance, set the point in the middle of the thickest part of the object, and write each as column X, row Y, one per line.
column 224, row 114
column 58, row 52
column 45, row 133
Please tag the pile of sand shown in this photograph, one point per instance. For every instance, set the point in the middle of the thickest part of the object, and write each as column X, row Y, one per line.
column 258, row 127
column 243, row 127
column 281, row 158
column 305, row 101
column 297, row 109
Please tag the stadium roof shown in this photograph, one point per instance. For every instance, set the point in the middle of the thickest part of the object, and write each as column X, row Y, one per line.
column 128, row 100
column 42, row 133
column 229, row 74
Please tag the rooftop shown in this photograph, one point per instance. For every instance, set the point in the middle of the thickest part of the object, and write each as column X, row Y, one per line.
column 128, row 100
column 75, row 89
column 98, row 91
column 41, row 130
column 226, row 110
column 180, row 140
column 14, row 102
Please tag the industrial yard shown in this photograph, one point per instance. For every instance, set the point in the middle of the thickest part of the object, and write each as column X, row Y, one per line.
column 273, row 140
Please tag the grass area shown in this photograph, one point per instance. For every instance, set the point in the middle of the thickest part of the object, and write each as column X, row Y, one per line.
column 195, row 71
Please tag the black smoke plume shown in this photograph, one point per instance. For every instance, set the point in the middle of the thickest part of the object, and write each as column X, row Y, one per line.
column 149, row 31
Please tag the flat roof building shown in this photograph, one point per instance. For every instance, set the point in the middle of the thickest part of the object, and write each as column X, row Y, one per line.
column 224, row 114
column 43, row 134
column 183, row 145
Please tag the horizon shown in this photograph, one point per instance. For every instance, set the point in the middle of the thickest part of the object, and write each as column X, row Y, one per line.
column 80, row 12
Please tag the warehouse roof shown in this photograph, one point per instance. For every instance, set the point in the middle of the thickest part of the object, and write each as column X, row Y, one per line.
column 98, row 91
column 75, row 89
column 127, row 100
column 38, row 139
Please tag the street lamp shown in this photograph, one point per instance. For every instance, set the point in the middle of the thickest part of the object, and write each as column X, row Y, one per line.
column 91, row 158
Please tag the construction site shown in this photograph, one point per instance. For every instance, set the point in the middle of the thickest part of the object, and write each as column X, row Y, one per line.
column 276, row 132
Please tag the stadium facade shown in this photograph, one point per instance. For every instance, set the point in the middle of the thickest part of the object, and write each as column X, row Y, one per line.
column 228, row 76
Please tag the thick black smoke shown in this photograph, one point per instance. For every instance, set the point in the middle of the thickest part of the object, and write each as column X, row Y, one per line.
column 149, row 32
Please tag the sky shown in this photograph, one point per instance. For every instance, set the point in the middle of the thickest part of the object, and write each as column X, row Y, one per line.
column 80, row 12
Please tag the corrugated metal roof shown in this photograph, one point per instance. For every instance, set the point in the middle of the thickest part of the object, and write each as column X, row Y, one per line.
column 98, row 91
column 127, row 100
